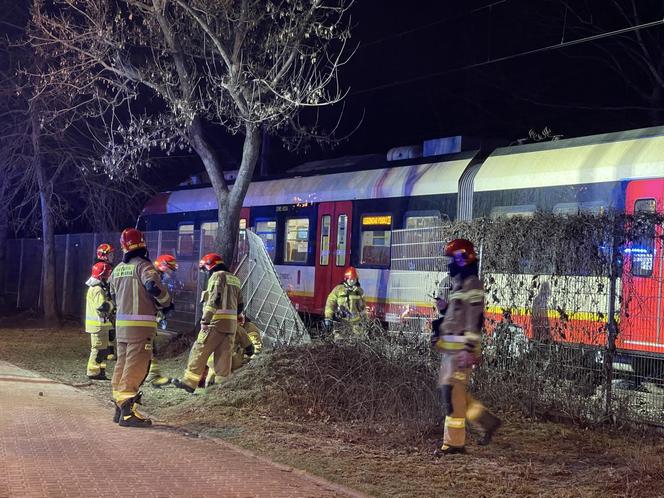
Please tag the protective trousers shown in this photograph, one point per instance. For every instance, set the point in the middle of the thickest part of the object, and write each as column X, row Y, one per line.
column 461, row 406
column 209, row 342
column 131, row 368
column 99, row 346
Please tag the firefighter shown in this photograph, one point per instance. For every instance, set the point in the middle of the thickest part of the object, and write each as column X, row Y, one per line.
column 247, row 344
column 98, row 308
column 345, row 303
column 106, row 254
column 139, row 294
column 460, row 342
column 222, row 304
column 166, row 265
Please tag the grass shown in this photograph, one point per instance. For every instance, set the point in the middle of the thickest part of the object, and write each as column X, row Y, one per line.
column 528, row 457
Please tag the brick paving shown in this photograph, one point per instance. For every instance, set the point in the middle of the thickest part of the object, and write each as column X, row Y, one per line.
column 58, row 441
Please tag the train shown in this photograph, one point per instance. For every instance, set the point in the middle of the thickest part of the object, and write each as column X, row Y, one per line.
column 329, row 215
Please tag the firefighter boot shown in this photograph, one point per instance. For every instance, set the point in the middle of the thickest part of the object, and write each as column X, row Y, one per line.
column 118, row 411
column 110, row 353
column 446, row 450
column 182, row 385
column 491, row 424
column 100, row 376
column 130, row 416
column 154, row 378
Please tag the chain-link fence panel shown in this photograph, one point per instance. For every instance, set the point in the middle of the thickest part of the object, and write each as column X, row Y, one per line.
column 267, row 304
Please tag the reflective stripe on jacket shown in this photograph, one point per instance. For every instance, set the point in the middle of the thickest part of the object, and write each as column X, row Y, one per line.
column 346, row 302
column 96, row 321
column 136, row 308
column 222, row 301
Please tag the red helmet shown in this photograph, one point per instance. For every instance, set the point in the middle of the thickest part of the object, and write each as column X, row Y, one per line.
column 132, row 239
column 350, row 273
column 101, row 270
column 166, row 263
column 209, row 261
column 461, row 251
column 105, row 252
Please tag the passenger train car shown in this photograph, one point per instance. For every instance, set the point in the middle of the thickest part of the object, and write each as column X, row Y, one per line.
column 314, row 226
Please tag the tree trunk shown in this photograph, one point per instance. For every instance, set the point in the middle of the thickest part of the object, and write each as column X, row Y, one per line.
column 229, row 203
column 229, row 212
column 49, row 299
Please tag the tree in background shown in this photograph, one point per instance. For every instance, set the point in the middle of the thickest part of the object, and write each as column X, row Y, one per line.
column 187, row 69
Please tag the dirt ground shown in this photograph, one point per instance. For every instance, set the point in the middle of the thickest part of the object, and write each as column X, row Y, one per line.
column 527, row 458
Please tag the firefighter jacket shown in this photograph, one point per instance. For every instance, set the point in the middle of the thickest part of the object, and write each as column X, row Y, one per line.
column 222, row 301
column 345, row 303
column 138, row 293
column 98, row 308
column 461, row 329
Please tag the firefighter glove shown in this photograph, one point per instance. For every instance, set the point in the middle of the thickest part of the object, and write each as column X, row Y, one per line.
column 249, row 350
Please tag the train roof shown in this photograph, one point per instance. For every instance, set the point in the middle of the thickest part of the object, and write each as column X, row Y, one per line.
column 439, row 177
column 608, row 157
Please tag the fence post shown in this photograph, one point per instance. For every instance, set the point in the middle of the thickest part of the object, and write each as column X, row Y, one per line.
column 20, row 276
column 65, row 276
column 612, row 327
column 198, row 277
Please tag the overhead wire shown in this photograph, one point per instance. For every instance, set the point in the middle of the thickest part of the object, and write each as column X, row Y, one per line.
column 496, row 60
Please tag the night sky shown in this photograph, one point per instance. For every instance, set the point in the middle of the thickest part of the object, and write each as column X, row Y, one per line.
column 407, row 76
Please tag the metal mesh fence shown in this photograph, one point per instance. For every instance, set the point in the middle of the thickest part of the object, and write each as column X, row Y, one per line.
column 573, row 317
column 267, row 303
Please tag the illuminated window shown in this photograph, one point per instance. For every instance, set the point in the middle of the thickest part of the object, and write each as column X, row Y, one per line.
column 376, row 235
column 642, row 249
column 325, row 240
column 296, row 245
column 267, row 230
column 526, row 210
column 209, row 234
column 186, row 240
column 422, row 220
column 572, row 208
column 342, row 237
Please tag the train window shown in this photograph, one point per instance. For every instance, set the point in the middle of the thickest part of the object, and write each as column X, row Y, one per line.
column 642, row 250
column 209, row 234
column 186, row 240
column 342, row 237
column 421, row 219
column 572, row 208
column 376, row 235
column 526, row 210
column 325, row 240
column 296, row 244
column 267, row 231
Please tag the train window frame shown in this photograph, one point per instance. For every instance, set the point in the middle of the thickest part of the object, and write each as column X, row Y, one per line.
column 525, row 210
column 182, row 224
column 298, row 241
column 325, row 244
column 340, row 250
column 430, row 213
column 644, row 257
column 367, row 227
column 267, row 220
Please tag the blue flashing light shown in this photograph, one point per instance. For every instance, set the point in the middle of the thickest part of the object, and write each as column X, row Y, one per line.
column 637, row 250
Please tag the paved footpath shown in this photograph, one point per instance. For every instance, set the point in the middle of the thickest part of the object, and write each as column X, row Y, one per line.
column 58, row 441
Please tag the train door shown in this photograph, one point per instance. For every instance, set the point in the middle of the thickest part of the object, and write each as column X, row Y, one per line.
column 643, row 272
column 332, row 248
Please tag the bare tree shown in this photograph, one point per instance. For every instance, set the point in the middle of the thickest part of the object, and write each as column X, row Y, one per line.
column 245, row 65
